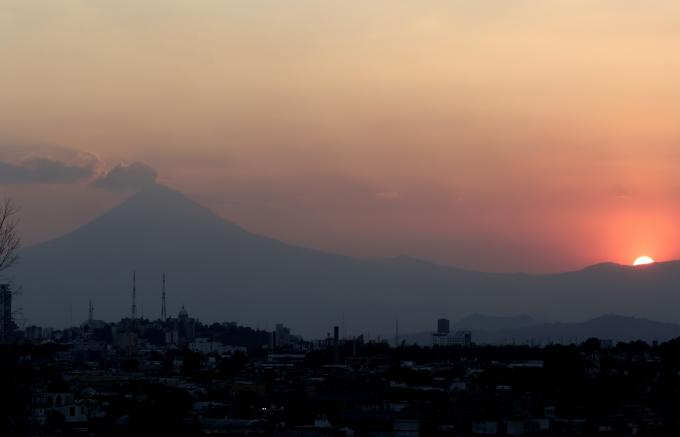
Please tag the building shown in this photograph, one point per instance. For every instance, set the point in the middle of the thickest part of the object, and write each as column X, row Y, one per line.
column 485, row 427
column 444, row 338
column 182, row 330
column 6, row 325
column 207, row 346
column 405, row 428
column 462, row 338
column 281, row 336
column 65, row 404
column 443, row 326
column 34, row 333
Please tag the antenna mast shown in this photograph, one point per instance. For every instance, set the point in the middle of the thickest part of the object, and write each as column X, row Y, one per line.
column 134, row 295
column 91, row 311
column 164, row 313
column 343, row 325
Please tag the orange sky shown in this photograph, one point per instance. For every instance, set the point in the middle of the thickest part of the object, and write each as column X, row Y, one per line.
column 498, row 135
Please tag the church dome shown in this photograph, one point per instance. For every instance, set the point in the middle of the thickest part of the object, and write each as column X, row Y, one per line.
column 183, row 314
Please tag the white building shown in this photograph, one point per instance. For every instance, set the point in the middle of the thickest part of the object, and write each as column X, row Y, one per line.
column 460, row 338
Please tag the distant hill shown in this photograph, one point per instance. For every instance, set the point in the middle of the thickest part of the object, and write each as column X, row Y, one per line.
column 482, row 325
column 222, row 272
column 508, row 330
column 476, row 322
column 612, row 327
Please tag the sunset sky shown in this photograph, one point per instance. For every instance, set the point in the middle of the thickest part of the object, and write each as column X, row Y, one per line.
column 497, row 135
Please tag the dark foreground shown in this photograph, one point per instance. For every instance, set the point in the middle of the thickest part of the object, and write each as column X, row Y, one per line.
column 630, row 389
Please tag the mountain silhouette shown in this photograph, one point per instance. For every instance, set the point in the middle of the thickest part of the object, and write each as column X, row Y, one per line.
column 524, row 330
column 222, row 272
column 611, row 326
column 477, row 321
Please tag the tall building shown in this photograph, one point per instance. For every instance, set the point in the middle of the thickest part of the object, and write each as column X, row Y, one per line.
column 443, row 326
column 443, row 336
column 282, row 335
column 6, row 324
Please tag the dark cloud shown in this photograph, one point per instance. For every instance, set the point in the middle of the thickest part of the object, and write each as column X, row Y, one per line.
column 127, row 177
column 43, row 170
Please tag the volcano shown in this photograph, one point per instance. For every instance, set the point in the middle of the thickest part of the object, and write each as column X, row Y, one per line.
column 222, row 272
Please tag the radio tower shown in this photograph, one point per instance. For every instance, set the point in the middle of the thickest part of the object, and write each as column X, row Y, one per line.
column 91, row 311
column 134, row 295
column 164, row 313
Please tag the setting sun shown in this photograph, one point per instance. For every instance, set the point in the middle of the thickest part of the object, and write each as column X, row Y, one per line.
column 643, row 260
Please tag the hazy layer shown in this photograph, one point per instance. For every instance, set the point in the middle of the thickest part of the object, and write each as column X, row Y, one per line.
column 497, row 135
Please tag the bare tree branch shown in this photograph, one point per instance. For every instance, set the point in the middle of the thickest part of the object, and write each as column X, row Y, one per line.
column 9, row 238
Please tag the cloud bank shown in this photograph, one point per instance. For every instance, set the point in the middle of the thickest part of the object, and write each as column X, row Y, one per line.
column 60, row 165
column 127, row 177
column 44, row 170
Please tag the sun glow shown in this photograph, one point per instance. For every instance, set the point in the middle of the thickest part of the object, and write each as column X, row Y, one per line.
column 643, row 260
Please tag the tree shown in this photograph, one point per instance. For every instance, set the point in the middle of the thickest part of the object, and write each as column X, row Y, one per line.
column 9, row 244
column 9, row 238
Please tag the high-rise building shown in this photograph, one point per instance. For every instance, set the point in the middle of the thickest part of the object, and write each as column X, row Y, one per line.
column 443, row 336
column 282, row 335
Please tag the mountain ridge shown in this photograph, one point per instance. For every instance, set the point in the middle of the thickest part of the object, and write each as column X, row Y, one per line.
column 614, row 327
column 140, row 196
column 223, row 272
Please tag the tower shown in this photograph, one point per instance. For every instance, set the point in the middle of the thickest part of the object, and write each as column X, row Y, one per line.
column 90, row 317
column 134, row 295
column 164, row 312
column 336, row 345
column 342, row 326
